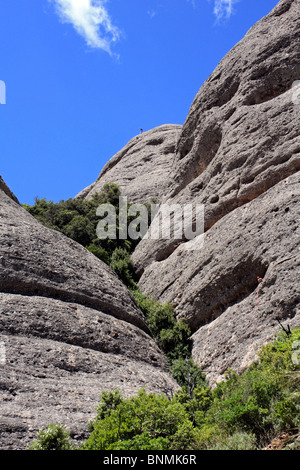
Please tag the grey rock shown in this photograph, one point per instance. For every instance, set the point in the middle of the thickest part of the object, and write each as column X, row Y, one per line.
column 217, row 288
column 143, row 167
column 239, row 156
column 38, row 261
column 241, row 135
column 69, row 329
column 5, row 188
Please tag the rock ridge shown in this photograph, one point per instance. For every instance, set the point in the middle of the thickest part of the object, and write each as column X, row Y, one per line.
column 69, row 329
column 143, row 167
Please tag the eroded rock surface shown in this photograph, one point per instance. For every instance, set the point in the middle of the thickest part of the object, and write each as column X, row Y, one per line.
column 68, row 330
column 231, row 311
column 142, row 169
column 239, row 155
column 241, row 136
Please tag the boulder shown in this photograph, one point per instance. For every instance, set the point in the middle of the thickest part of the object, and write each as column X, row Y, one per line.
column 241, row 134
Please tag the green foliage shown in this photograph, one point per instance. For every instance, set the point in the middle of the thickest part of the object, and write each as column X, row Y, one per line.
column 243, row 412
column 77, row 219
column 238, row 441
column 143, row 422
column 261, row 400
column 108, row 402
column 54, row 437
column 122, row 264
column 172, row 334
column 188, row 375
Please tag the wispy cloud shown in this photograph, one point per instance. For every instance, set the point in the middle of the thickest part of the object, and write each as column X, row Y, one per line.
column 152, row 13
column 91, row 20
column 223, row 9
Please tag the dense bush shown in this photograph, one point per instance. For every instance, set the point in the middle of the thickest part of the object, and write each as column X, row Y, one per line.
column 144, row 422
column 77, row 219
column 244, row 412
column 54, row 437
column 262, row 400
column 171, row 334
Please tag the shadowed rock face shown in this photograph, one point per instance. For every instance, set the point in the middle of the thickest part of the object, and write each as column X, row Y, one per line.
column 217, row 290
column 68, row 330
column 143, row 167
column 239, row 155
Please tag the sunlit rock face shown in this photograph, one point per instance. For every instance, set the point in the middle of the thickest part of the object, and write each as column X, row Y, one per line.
column 239, row 155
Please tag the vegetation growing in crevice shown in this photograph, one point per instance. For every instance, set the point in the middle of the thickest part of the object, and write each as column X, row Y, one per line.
column 172, row 335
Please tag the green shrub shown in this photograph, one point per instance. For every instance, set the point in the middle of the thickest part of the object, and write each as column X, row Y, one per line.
column 238, row 441
column 54, row 437
column 78, row 220
column 108, row 402
column 100, row 252
column 122, row 265
column 188, row 374
column 209, row 435
column 159, row 316
column 80, row 229
column 243, row 412
column 261, row 399
column 175, row 340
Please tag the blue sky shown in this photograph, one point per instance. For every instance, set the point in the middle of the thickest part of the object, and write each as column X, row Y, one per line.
column 82, row 77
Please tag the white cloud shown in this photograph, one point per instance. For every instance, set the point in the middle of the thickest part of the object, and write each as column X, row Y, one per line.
column 91, row 20
column 152, row 13
column 223, row 8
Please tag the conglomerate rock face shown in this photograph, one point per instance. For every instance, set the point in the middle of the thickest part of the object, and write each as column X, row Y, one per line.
column 238, row 155
column 69, row 329
column 142, row 169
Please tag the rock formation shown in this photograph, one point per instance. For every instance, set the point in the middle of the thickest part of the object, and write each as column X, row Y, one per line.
column 239, row 155
column 143, row 167
column 68, row 330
